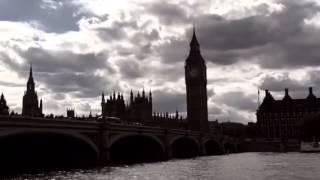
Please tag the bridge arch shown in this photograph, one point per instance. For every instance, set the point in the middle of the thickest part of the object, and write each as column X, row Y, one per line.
column 229, row 147
column 184, row 147
column 134, row 148
column 23, row 149
column 212, row 147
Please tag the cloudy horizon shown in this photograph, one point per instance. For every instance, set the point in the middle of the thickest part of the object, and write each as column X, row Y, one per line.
column 81, row 48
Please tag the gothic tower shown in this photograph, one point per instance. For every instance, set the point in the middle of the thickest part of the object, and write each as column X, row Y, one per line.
column 30, row 104
column 4, row 109
column 196, row 86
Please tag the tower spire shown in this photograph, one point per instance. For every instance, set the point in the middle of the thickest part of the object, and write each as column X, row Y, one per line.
column 30, row 73
column 30, row 83
column 194, row 44
column 102, row 98
column 40, row 108
column 131, row 97
column 30, row 103
column 311, row 95
column 196, row 87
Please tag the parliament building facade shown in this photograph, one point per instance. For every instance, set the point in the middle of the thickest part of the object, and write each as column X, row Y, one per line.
column 139, row 109
column 282, row 119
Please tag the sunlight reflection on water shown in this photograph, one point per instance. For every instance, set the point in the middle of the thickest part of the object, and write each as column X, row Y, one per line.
column 244, row 166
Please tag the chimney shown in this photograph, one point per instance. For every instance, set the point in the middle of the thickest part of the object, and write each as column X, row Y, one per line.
column 286, row 91
column 286, row 95
column 311, row 95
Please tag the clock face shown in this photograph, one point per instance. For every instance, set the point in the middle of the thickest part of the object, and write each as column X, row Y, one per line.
column 193, row 72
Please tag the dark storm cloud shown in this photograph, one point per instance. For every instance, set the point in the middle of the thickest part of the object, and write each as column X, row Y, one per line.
column 214, row 110
column 52, row 15
column 168, row 13
column 85, row 107
column 116, row 31
column 174, row 51
column 65, row 71
column 111, row 34
column 279, row 39
column 11, row 84
column 297, row 88
column 166, row 100
column 314, row 81
column 237, row 100
column 314, row 77
column 224, row 80
column 280, row 83
column 169, row 72
column 211, row 92
column 59, row 96
column 79, row 85
column 52, row 105
column 143, row 42
column 46, row 60
column 233, row 115
column 130, row 69
column 143, row 38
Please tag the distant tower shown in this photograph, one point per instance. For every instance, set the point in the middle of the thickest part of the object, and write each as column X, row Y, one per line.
column 196, row 86
column 103, row 102
column 70, row 113
column 30, row 103
column 4, row 109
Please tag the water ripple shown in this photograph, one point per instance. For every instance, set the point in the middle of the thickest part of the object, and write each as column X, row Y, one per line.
column 244, row 166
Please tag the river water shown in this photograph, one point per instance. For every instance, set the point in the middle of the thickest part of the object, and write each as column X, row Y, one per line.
column 242, row 166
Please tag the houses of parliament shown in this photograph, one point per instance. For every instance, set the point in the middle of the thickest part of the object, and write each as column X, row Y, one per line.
column 139, row 109
column 282, row 119
column 31, row 106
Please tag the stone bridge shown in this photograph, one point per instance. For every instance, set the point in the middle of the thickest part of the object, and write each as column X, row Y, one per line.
column 28, row 140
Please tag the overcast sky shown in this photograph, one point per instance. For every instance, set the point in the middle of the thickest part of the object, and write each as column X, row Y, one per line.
column 80, row 48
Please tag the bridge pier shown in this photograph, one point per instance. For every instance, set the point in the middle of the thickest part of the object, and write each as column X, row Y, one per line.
column 202, row 147
column 168, row 150
column 100, row 138
column 103, row 140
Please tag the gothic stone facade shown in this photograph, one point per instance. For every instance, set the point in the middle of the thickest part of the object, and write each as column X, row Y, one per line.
column 140, row 107
column 138, row 110
column 30, row 103
column 196, row 86
column 4, row 109
column 281, row 119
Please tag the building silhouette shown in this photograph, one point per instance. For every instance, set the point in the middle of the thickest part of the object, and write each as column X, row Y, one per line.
column 196, row 86
column 4, row 109
column 114, row 106
column 139, row 109
column 30, row 104
column 281, row 119
column 70, row 113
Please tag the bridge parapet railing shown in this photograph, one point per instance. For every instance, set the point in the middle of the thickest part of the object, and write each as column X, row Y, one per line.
column 132, row 127
column 41, row 121
column 185, row 132
column 149, row 129
column 44, row 122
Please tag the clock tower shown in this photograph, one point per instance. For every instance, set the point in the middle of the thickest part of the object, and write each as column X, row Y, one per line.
column 196, row 86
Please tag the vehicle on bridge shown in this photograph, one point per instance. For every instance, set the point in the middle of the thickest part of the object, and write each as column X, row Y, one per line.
column 109, row 119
